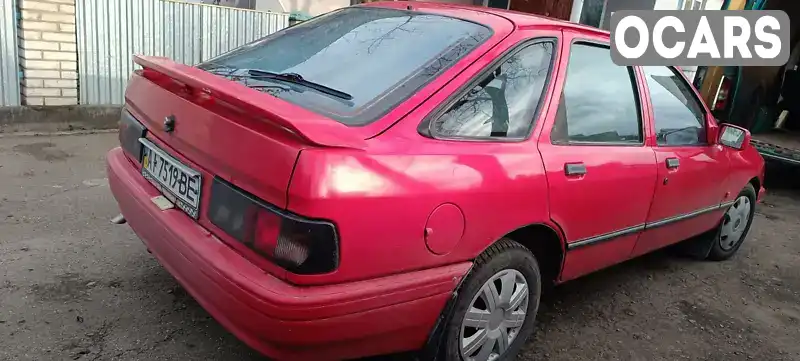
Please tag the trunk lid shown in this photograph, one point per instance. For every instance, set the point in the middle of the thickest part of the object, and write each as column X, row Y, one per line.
column 239, row 134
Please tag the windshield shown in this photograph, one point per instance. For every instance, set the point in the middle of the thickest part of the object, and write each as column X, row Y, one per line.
column 379, row 57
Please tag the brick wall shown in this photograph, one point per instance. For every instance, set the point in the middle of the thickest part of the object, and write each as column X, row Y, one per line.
column 48, row 54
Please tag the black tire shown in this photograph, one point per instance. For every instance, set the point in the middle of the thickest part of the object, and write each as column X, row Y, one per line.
column 718, row 253
column 506, row 254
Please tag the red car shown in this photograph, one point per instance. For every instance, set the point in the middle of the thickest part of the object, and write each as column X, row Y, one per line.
column 407, row 176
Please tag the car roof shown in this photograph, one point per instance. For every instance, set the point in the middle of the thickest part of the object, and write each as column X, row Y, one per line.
column 519, row 19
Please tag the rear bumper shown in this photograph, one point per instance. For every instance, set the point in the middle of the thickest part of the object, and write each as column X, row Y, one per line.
column 280, row 320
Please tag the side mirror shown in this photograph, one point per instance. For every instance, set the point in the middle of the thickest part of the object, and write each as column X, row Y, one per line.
column 733, row 136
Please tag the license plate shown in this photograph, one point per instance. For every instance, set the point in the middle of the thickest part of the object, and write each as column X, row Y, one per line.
column 176, row 181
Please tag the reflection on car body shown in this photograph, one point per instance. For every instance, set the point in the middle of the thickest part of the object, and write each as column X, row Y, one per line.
column 359, row 198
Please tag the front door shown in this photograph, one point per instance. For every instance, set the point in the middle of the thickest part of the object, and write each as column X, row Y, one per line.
column 600, row 172
column 691, row 172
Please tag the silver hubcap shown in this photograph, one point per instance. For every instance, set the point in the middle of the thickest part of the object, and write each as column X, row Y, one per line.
column 734, row 224
column 495, row 316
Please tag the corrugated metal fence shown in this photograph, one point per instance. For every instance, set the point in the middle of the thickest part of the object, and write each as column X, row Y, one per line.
column 9, row 72
column 111, row 31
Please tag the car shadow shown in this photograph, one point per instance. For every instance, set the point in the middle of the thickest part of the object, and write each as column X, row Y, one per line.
column 622, row 278
column 571, row 297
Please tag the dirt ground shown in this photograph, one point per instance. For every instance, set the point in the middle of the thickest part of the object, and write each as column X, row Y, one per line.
column 75, row 287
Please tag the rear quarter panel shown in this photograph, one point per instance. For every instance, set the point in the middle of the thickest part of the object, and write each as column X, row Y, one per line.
column 381, row 198
column 381, row 202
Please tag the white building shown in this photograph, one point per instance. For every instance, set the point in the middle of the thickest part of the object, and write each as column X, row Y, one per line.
column 598, row 12
column 301, row 7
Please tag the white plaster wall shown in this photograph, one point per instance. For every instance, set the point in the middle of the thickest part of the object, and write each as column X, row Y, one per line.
column 674, row 4
column 309, row 7
column 714, row 5
column 313, row 7
column 270, row 5
column 666, row 5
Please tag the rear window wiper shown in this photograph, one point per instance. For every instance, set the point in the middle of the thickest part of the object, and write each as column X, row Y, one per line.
column 295, row 78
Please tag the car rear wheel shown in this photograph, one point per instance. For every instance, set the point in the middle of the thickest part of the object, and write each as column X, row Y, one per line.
column 496, row 305
column 735, row 225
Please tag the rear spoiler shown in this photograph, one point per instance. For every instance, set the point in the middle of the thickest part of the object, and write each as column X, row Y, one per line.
column 312, row 127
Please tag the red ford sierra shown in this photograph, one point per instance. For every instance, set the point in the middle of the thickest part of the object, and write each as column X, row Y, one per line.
column 405, row 176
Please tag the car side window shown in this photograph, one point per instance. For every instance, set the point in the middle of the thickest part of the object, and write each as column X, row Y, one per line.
column 503, row 103
column 599, row 102
column 678, row 116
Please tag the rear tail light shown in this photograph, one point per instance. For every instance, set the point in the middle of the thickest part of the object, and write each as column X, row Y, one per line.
column 298, row 244
column 130, row 130
column 723, row 92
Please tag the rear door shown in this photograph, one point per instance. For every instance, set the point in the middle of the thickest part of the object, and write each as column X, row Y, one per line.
column 600, row 172
column 691, row 172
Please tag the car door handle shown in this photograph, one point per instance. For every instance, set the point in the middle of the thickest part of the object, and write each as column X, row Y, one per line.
column 673, row 163
column 574, row 169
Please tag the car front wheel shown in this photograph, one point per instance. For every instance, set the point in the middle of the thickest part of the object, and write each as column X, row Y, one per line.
column 496, row 306
column 735, row 225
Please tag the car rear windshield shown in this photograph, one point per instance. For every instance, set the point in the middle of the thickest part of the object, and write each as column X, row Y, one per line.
column 367, row 60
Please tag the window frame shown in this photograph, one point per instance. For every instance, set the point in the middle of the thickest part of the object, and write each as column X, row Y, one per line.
column 638, row 99
column 694, row 96
column 425, row 128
